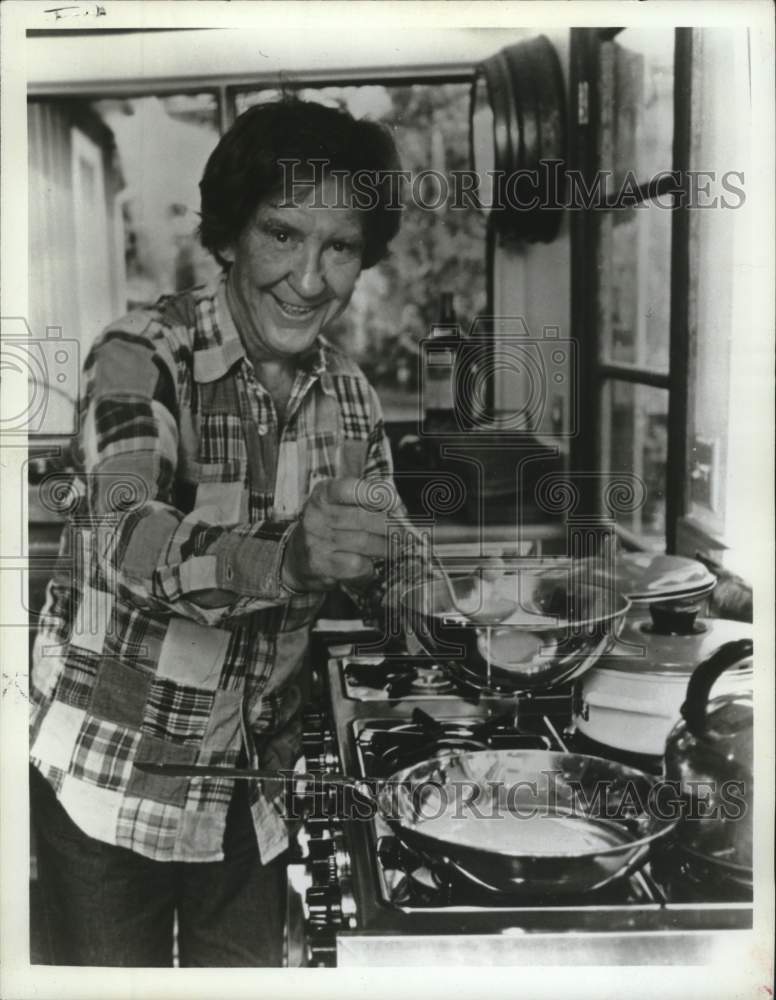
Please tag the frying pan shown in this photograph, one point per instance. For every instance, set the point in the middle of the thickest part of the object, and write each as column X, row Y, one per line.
column 531, row 822
column 561, row 625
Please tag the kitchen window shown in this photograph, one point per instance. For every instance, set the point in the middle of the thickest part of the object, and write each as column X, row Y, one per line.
column 627, row 266
column 662, row 310
column 113, row 202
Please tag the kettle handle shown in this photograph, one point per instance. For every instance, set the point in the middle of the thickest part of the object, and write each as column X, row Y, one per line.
column 705, row 674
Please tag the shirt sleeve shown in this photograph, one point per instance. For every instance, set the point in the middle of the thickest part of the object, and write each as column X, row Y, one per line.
column 154, row 554
column 407, row 563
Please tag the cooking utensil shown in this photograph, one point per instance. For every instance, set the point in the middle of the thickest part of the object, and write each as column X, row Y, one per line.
column 474, row 596
column 631, row 698
column 246, row 773
column 520, row 821
column 560, row 626
column 709, row 753
column 482, row 604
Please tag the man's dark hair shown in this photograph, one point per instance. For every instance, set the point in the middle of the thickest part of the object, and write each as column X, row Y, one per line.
column 246, row 167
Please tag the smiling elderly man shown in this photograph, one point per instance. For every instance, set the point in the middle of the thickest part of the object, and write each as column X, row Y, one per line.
column 222, row 444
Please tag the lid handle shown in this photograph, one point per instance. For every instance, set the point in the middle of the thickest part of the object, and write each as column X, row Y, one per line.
column 674, row 619
column 702, row 681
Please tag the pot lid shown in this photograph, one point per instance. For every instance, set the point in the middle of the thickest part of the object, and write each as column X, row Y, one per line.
column 645, row 577
column 675, row 652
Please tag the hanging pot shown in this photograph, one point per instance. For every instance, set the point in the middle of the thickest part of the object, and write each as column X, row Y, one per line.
column 708, row 755
column 631, row 699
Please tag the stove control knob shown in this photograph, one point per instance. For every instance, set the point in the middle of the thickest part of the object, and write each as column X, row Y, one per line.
column 316, row 821
column 342, row 864
column 321, row 758
column 341, row 856
column 322, row 904
column 322, row 952
column 348, row 909
column 320, row 848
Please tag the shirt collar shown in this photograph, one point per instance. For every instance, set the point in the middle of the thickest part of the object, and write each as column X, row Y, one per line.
column 220, row 346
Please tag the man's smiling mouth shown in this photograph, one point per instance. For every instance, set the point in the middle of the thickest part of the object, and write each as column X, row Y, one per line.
column 297, row 312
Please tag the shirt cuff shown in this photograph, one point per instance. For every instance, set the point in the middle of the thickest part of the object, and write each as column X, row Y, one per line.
column 250, row 565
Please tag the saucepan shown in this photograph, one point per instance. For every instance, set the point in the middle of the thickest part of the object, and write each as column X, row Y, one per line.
column 551, row 625
column 527, row 822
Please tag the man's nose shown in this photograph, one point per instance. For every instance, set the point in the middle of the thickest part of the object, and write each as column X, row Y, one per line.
column 310, row 278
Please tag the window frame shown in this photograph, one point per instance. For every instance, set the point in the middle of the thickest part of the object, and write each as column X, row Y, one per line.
column 585, row 58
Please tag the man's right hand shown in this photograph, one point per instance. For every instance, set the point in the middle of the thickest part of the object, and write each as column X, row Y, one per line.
column 337, row 537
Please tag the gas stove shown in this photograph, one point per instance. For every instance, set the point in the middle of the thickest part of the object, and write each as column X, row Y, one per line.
column 359, row 896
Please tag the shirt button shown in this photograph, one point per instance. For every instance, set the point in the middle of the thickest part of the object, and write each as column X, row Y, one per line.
column 263, row 429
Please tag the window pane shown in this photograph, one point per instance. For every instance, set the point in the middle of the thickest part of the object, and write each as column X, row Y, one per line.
column 634, row 266
column 637, row 109
column 634, row 439
column 162, row 144
column 437, row 249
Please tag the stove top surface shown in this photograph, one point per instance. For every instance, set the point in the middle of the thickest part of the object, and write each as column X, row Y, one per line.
column 414, row 883
column 381, row 678
column 371, row 729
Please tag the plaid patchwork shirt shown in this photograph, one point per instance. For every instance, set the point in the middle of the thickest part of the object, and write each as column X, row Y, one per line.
column 185, row 484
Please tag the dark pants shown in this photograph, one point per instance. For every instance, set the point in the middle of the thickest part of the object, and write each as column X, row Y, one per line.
column 106, row 905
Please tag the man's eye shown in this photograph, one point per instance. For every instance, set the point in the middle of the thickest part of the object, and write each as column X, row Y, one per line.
column 280, row 235
column 342, row 246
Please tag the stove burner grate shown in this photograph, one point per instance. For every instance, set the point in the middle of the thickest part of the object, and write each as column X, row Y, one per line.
column 413, row 881
column 430, row 680
column 403, row 676
column 387, row 749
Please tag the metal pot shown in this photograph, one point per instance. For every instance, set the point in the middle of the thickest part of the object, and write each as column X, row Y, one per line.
column 708, row 755
column 631, row 699
column 561, row 626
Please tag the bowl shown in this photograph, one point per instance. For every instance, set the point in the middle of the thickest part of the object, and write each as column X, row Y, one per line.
column 562, row 623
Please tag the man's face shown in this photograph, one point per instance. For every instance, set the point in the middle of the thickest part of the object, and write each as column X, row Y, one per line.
column 294, row 268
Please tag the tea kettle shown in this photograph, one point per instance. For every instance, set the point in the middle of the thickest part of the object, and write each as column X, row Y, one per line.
column 708, row 759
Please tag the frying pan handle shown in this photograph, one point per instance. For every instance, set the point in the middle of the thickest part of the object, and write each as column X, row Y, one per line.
column 702, row 681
